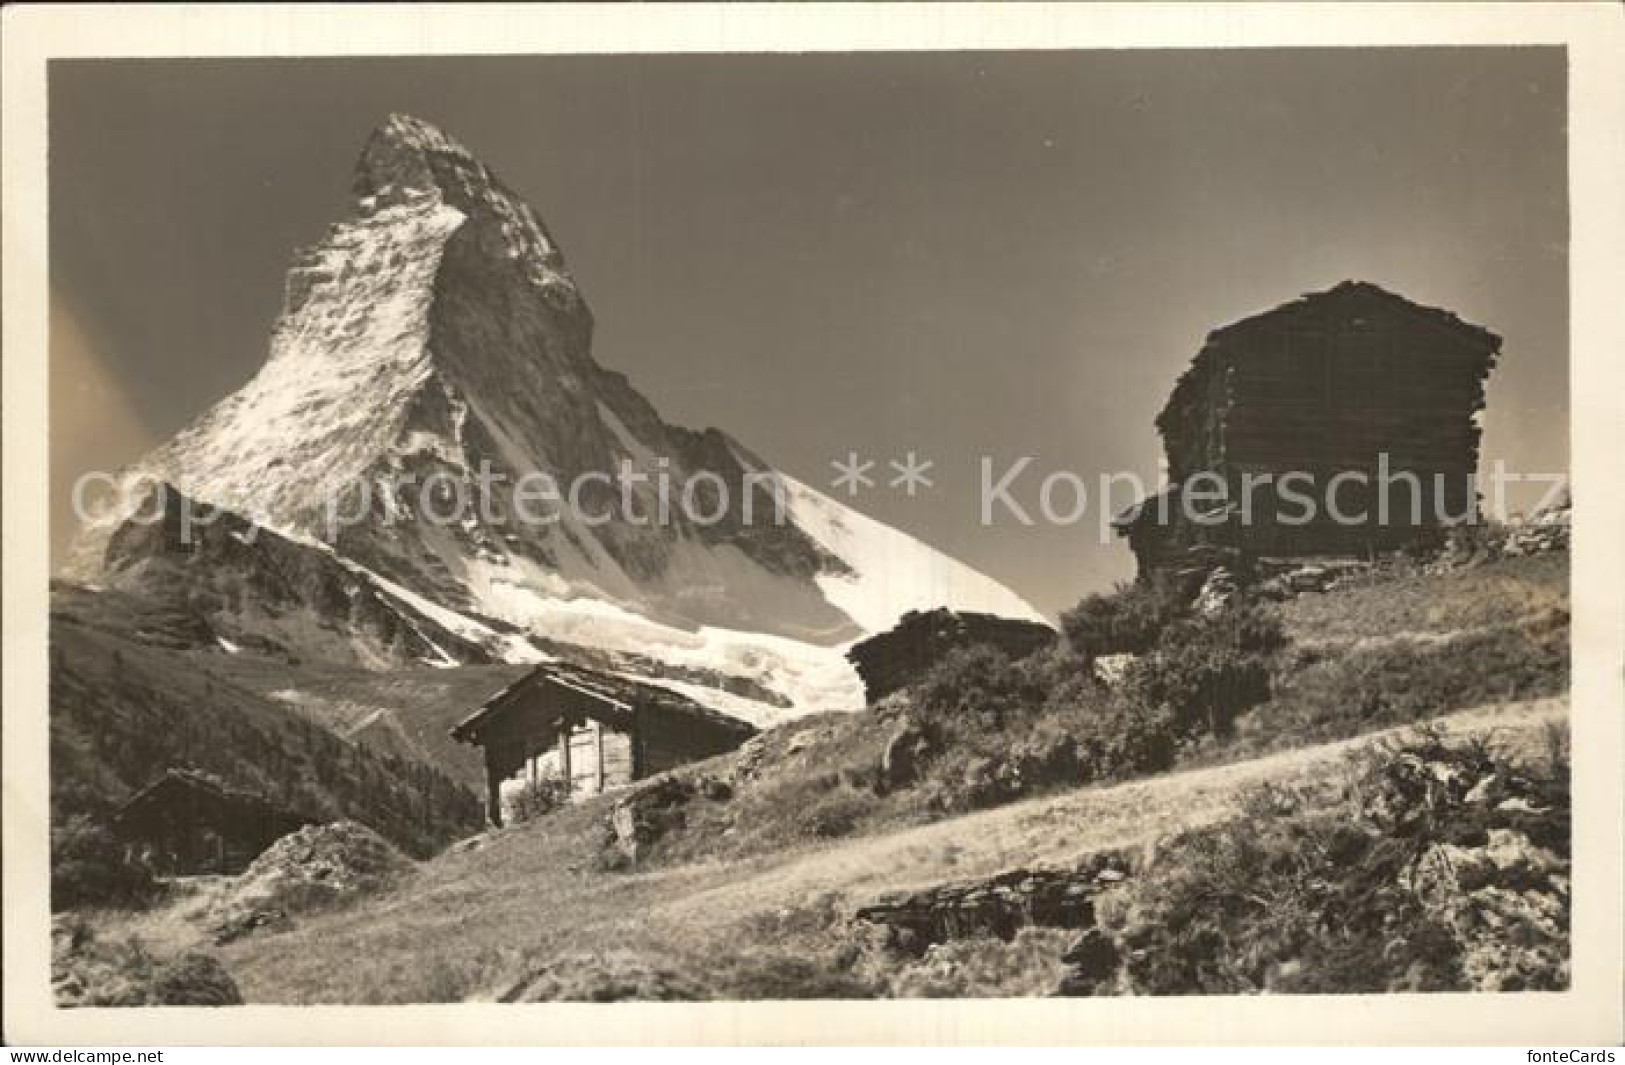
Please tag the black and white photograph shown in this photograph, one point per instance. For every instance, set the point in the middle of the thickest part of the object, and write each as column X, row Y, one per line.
column 760, row 526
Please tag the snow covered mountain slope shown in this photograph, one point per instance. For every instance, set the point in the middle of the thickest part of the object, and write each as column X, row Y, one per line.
column 431, row 423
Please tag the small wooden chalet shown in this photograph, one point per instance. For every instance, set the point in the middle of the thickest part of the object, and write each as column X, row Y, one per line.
column 187, row 822
column 596, row 730
column 1319, row 386
column 900, row 656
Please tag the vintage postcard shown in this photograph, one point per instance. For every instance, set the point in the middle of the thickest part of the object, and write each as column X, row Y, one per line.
column 1082, row 523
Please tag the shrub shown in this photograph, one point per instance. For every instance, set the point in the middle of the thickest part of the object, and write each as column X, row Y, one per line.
column 1127, row 621
column 976, row 688
column 539, row 797
column 1047, row 755
column 90, row 867
column 1123, row 737
column 1004, row 730
column 194, row 979
column 837, row 813
column 1059, row 668
column 88, row 971
column 1206, row 671
column 1202, row 687
column 1257, row 632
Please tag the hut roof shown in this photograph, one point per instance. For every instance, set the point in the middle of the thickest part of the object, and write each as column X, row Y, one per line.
column 196, row 783
column 892, row 660
column 1435, row 316
column 956, row 623
column 613, row 689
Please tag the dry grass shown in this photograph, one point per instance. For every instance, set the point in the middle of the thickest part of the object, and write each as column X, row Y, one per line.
column 1397, row 648
column 1414, row 605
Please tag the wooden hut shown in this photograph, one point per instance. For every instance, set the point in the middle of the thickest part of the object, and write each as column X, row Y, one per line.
column 596, row 730
column 187, row 822
column 894, row 659
column 1354, row 380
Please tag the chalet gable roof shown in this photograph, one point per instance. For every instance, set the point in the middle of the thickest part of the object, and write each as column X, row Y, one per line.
column 617, row 693
column 1206, row 360
column 197, row 784
column 1355, row 290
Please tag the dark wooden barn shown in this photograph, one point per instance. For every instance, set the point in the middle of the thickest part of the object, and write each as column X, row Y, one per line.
column 1355, row 381
column 597, row 730
column 187, row 823
column 900, row 656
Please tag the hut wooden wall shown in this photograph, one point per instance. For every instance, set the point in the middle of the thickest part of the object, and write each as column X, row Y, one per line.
column 553, row 726
column 665, row 741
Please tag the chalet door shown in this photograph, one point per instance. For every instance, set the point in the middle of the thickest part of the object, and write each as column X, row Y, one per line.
column 586, row 767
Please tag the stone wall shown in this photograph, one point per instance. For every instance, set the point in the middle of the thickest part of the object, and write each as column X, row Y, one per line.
column 1002, row 905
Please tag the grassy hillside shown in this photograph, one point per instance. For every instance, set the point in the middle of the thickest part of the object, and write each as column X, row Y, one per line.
column 1402, row 644
column 402, row 713
column 1385, row 651
column 405, row 713
column 744, row 876
column 535, row 898
column 1407, row 602
column 122, row 712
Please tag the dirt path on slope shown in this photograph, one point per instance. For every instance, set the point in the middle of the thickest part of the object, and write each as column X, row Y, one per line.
column 1060, row 829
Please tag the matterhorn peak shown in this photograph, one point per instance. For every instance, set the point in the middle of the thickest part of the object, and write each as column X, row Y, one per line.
column 407, row 156
column 431, row 369
column 412, row 131
column 411, row 165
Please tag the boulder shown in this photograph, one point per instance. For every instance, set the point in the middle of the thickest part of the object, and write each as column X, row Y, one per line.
column 1307, row 579
column 240, row 924
column 999, row 906
column 1111, row 670
column 1517, row 860
column 1093, row 957
column 614, row 976
column 714, row 789
column 316, row 867
column 655, row 808
column 87, row 971
column 1273, row 590
column 1217, row 593
column 747, row 763
column 194, row 980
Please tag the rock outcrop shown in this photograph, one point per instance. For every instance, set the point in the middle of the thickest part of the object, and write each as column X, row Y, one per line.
column 1546, row 530
column 316, row 867
column 88, row 971
column 638, row 820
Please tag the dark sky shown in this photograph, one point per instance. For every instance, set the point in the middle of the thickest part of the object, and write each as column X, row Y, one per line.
column 962, row 254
